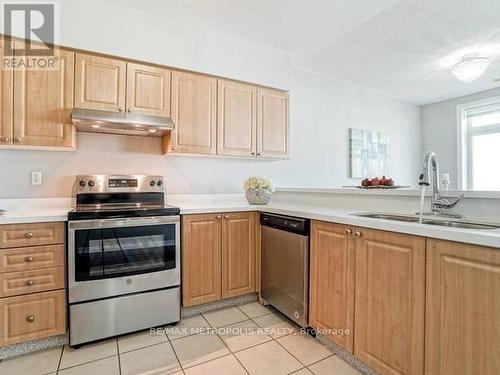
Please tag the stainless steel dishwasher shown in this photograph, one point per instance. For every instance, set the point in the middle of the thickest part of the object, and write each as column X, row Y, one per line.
column 285, row 265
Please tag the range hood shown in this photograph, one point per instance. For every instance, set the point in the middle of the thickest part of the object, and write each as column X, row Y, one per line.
column 94, row 121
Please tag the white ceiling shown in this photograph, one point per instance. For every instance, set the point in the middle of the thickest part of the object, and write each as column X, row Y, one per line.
column 403, row 48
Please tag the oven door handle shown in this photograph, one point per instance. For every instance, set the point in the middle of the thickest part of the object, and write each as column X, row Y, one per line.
column 123, row 222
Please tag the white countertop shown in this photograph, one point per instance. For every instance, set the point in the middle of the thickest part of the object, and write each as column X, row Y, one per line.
column 23, row 213
column 404, row 192
column 39, row 215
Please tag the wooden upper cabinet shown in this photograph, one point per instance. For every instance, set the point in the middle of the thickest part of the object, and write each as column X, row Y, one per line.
column 390, row 302
column 462, row 309
column 272, row 123
column 238, row 254
column 331, row 307
column 43, row 102
column 236, row 118
column 148, row 90
column 194, row 100
column 201, row 259
column 100, row 83
column 6, row 105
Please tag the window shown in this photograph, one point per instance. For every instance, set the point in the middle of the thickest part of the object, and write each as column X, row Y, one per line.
column 479, row 145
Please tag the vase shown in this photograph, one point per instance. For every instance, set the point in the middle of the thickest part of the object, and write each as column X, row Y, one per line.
column 258, row 196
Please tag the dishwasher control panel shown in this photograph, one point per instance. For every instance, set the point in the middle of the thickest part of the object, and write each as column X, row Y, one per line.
column 286, row 223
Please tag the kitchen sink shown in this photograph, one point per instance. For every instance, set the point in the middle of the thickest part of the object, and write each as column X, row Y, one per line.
column 460, row 224
column 442, row 223
column 393, row 217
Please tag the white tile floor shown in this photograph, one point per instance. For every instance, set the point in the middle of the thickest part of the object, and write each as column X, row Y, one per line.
column 249, row 339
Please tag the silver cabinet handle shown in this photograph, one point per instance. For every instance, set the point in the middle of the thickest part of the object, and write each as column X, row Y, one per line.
column 18, row 140
column 28, row 235
column 28, row 259
column 5, row 139
column 129, row 110
column 226, row 216
column 358, row 234
column 30, row 282
column 348, row 232
column 120, row 109
column 30, row 318
column 218, row 217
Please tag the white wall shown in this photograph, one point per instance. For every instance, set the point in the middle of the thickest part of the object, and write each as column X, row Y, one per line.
column 439, row 130
column 104, row 27
column 322, row 111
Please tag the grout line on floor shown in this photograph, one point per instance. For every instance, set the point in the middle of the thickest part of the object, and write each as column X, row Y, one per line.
column 60, row 359
column 249, row 317
column 230, row 351
column 243, row 311
column 119, row 360
column 286, row 350
column 225, row 308
column 175, row 354
column 322, row 359
column 208, row 360
column 84, row 363
column 143, row 347
column 241, row 364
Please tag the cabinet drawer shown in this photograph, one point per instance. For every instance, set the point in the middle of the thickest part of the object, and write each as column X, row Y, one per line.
column 17, row 235
column 32, row 317
column 31, row 258
column 25, row 282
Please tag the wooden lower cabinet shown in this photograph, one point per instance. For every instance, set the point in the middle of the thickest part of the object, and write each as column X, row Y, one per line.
column 31, row 234
column 218, row 254
column 238, row 254
column 390, row 301
column 462, row 309
column 32, row 281
column 26, row 282
column 201, row 259
column 32, row 317
column 331, row 305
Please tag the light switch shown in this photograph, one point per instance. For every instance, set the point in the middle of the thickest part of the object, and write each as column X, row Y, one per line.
column 36, row 177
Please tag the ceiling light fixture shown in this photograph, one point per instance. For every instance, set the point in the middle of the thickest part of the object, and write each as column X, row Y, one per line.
column 470, row 68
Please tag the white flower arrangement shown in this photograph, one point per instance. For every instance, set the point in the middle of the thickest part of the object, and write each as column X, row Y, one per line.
column 255, row 182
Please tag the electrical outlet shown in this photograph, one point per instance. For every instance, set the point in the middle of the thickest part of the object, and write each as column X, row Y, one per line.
column 36, row 177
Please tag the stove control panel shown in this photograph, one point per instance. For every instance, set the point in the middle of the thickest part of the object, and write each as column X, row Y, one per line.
column 87, row 184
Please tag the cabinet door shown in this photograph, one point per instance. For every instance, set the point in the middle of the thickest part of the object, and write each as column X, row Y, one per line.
column 194, row 113
column 238, row 254
column 201, row 259
column 6, row 108
column 331, row 308
column 462, row 309
column 31, row 317
column 100, row 83
column 148, row 90
column 236, row 118
column 43, row 102
column 389, row 301
column 272, row 123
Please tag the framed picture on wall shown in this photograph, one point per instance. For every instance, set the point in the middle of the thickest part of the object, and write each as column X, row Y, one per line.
column 369, row 153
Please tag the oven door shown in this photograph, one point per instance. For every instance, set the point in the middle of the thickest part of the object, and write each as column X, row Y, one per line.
column 113, row 257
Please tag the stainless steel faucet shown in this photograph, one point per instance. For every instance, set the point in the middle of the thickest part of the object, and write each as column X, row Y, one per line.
column 430, row 175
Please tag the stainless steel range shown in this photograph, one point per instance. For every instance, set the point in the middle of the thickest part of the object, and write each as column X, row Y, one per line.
column 123, row 257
